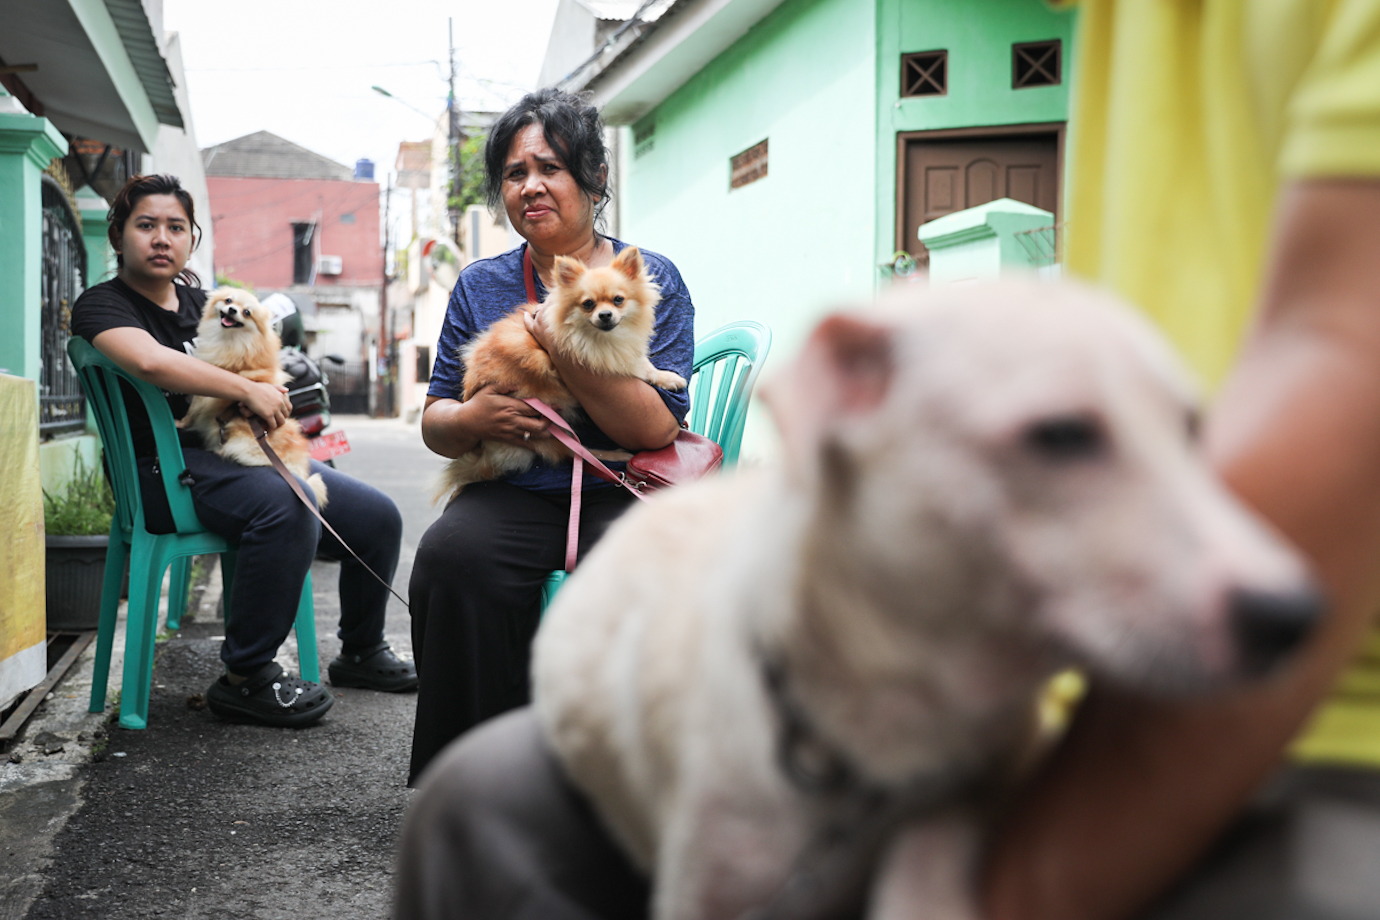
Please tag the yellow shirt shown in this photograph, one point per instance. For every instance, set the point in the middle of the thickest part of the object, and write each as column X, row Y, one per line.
column 1188, row 116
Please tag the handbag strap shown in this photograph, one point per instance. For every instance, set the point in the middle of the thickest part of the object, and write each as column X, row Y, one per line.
column 561, row 431
column 527, row 273
column 260, row 431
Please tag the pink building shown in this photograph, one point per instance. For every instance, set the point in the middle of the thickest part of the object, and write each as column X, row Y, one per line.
column 286, row 216
column 292, row 221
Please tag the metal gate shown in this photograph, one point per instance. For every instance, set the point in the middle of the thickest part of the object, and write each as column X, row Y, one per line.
column 348, row 385
column 61, row 404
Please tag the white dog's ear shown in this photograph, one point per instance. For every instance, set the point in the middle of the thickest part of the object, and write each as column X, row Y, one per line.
column 845, row 369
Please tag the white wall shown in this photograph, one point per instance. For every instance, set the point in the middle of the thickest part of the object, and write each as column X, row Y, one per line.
column 571, row 42
column 175, row 152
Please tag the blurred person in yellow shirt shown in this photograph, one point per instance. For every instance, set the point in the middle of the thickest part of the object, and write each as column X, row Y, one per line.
column 1225, row 175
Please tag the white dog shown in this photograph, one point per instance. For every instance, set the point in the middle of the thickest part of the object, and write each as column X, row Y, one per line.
column 766, row 683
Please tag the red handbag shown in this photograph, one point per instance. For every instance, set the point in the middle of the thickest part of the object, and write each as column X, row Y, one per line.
column 689, row 457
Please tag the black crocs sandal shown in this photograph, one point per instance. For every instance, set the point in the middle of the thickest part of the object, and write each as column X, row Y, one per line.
column 373, row 668
column 270, row 697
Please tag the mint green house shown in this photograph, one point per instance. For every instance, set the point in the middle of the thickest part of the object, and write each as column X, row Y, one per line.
column 87, row 97
column 782, row 151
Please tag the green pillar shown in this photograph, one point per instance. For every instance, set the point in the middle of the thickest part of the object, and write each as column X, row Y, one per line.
column 27, row 144
column 100, row 258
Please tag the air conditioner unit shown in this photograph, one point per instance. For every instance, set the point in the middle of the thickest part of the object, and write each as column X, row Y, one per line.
column 330, row 265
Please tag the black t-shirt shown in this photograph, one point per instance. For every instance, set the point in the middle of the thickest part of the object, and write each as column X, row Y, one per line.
column 114, row 305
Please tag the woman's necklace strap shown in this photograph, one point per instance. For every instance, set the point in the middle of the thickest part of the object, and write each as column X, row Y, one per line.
column 527, row 272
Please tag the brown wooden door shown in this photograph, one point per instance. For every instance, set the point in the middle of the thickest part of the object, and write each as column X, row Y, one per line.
column 941, row 174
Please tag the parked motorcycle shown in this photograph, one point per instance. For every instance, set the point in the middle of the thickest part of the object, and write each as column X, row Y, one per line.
column 311, row 403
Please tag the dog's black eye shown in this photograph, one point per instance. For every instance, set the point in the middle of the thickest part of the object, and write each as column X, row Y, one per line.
column 618, row 301
column 1073, row 437
column 588, row 304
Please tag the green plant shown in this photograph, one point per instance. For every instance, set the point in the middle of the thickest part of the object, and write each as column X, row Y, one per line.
column 84, row 508
column 224, row 280
column 472, row 173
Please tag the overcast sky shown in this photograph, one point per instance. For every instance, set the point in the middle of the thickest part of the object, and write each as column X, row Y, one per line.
column 303, row 69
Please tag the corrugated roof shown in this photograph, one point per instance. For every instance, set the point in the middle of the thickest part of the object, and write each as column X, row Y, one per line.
column 137, row 36
column 617, row 10
column 263, row 155
column 642, row 21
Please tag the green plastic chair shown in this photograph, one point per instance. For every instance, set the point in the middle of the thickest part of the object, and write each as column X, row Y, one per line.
column 150, row 555
column 727, row 363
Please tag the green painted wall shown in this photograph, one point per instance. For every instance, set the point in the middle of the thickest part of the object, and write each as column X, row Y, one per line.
column 100, row 258
column 788, row 247
column 978, row 34
column 27, row 144
column 820, row 81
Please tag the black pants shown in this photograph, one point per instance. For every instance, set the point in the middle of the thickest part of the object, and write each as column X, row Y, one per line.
column 476, row 601
column 497, row 833
column 277, row 537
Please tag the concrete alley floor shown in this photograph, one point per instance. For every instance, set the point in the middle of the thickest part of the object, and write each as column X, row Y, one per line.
column 197, row 818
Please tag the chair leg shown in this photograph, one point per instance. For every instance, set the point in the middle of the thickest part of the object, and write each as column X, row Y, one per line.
column 305, row 625
column 116, row 557
column 145, row 582
column 227, row 581
column 549, row 588
column 177, row 591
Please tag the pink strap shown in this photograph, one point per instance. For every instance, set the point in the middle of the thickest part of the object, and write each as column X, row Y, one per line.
column 561, row 431
column 527, row 274
column 572, row 527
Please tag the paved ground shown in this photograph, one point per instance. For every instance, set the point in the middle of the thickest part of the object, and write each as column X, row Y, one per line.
column 195, row 818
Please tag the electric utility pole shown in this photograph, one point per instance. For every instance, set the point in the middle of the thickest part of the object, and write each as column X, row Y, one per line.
column 456, row 137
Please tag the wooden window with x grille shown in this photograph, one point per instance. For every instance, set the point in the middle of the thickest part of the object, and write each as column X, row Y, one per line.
column 925, row 73
column 1035, row 64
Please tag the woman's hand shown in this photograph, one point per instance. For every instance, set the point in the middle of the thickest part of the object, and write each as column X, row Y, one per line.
column 494, row 416
column 268, row 401
column 537, row 329
column 451, row 427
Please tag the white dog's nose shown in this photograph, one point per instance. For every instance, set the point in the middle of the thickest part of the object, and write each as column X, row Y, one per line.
column 605, row 319
column 1268, row 625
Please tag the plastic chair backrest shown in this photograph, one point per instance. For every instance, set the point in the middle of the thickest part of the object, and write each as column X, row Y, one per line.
column 102, row 380
column 727, row 362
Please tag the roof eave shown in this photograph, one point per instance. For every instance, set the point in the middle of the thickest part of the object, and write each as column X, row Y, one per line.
column 136, row 34
column 97, row 77
column 636, row 71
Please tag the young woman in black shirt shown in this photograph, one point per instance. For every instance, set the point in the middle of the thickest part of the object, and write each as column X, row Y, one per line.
column 145, row 321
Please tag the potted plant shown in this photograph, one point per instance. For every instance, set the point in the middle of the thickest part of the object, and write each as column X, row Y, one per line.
column 77, row 522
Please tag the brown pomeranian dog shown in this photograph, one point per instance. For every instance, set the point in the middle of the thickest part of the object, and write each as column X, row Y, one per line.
column 601, row 317
column 236, row 334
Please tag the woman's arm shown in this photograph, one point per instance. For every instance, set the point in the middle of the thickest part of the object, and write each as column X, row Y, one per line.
column 1140, row 788
column 140, row 354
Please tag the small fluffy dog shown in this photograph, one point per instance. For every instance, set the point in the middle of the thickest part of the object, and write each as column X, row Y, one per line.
column 601, row 317
column 794, row 692
column 236, row 334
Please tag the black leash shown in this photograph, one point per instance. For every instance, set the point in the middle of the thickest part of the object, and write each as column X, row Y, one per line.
column 256, row 425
